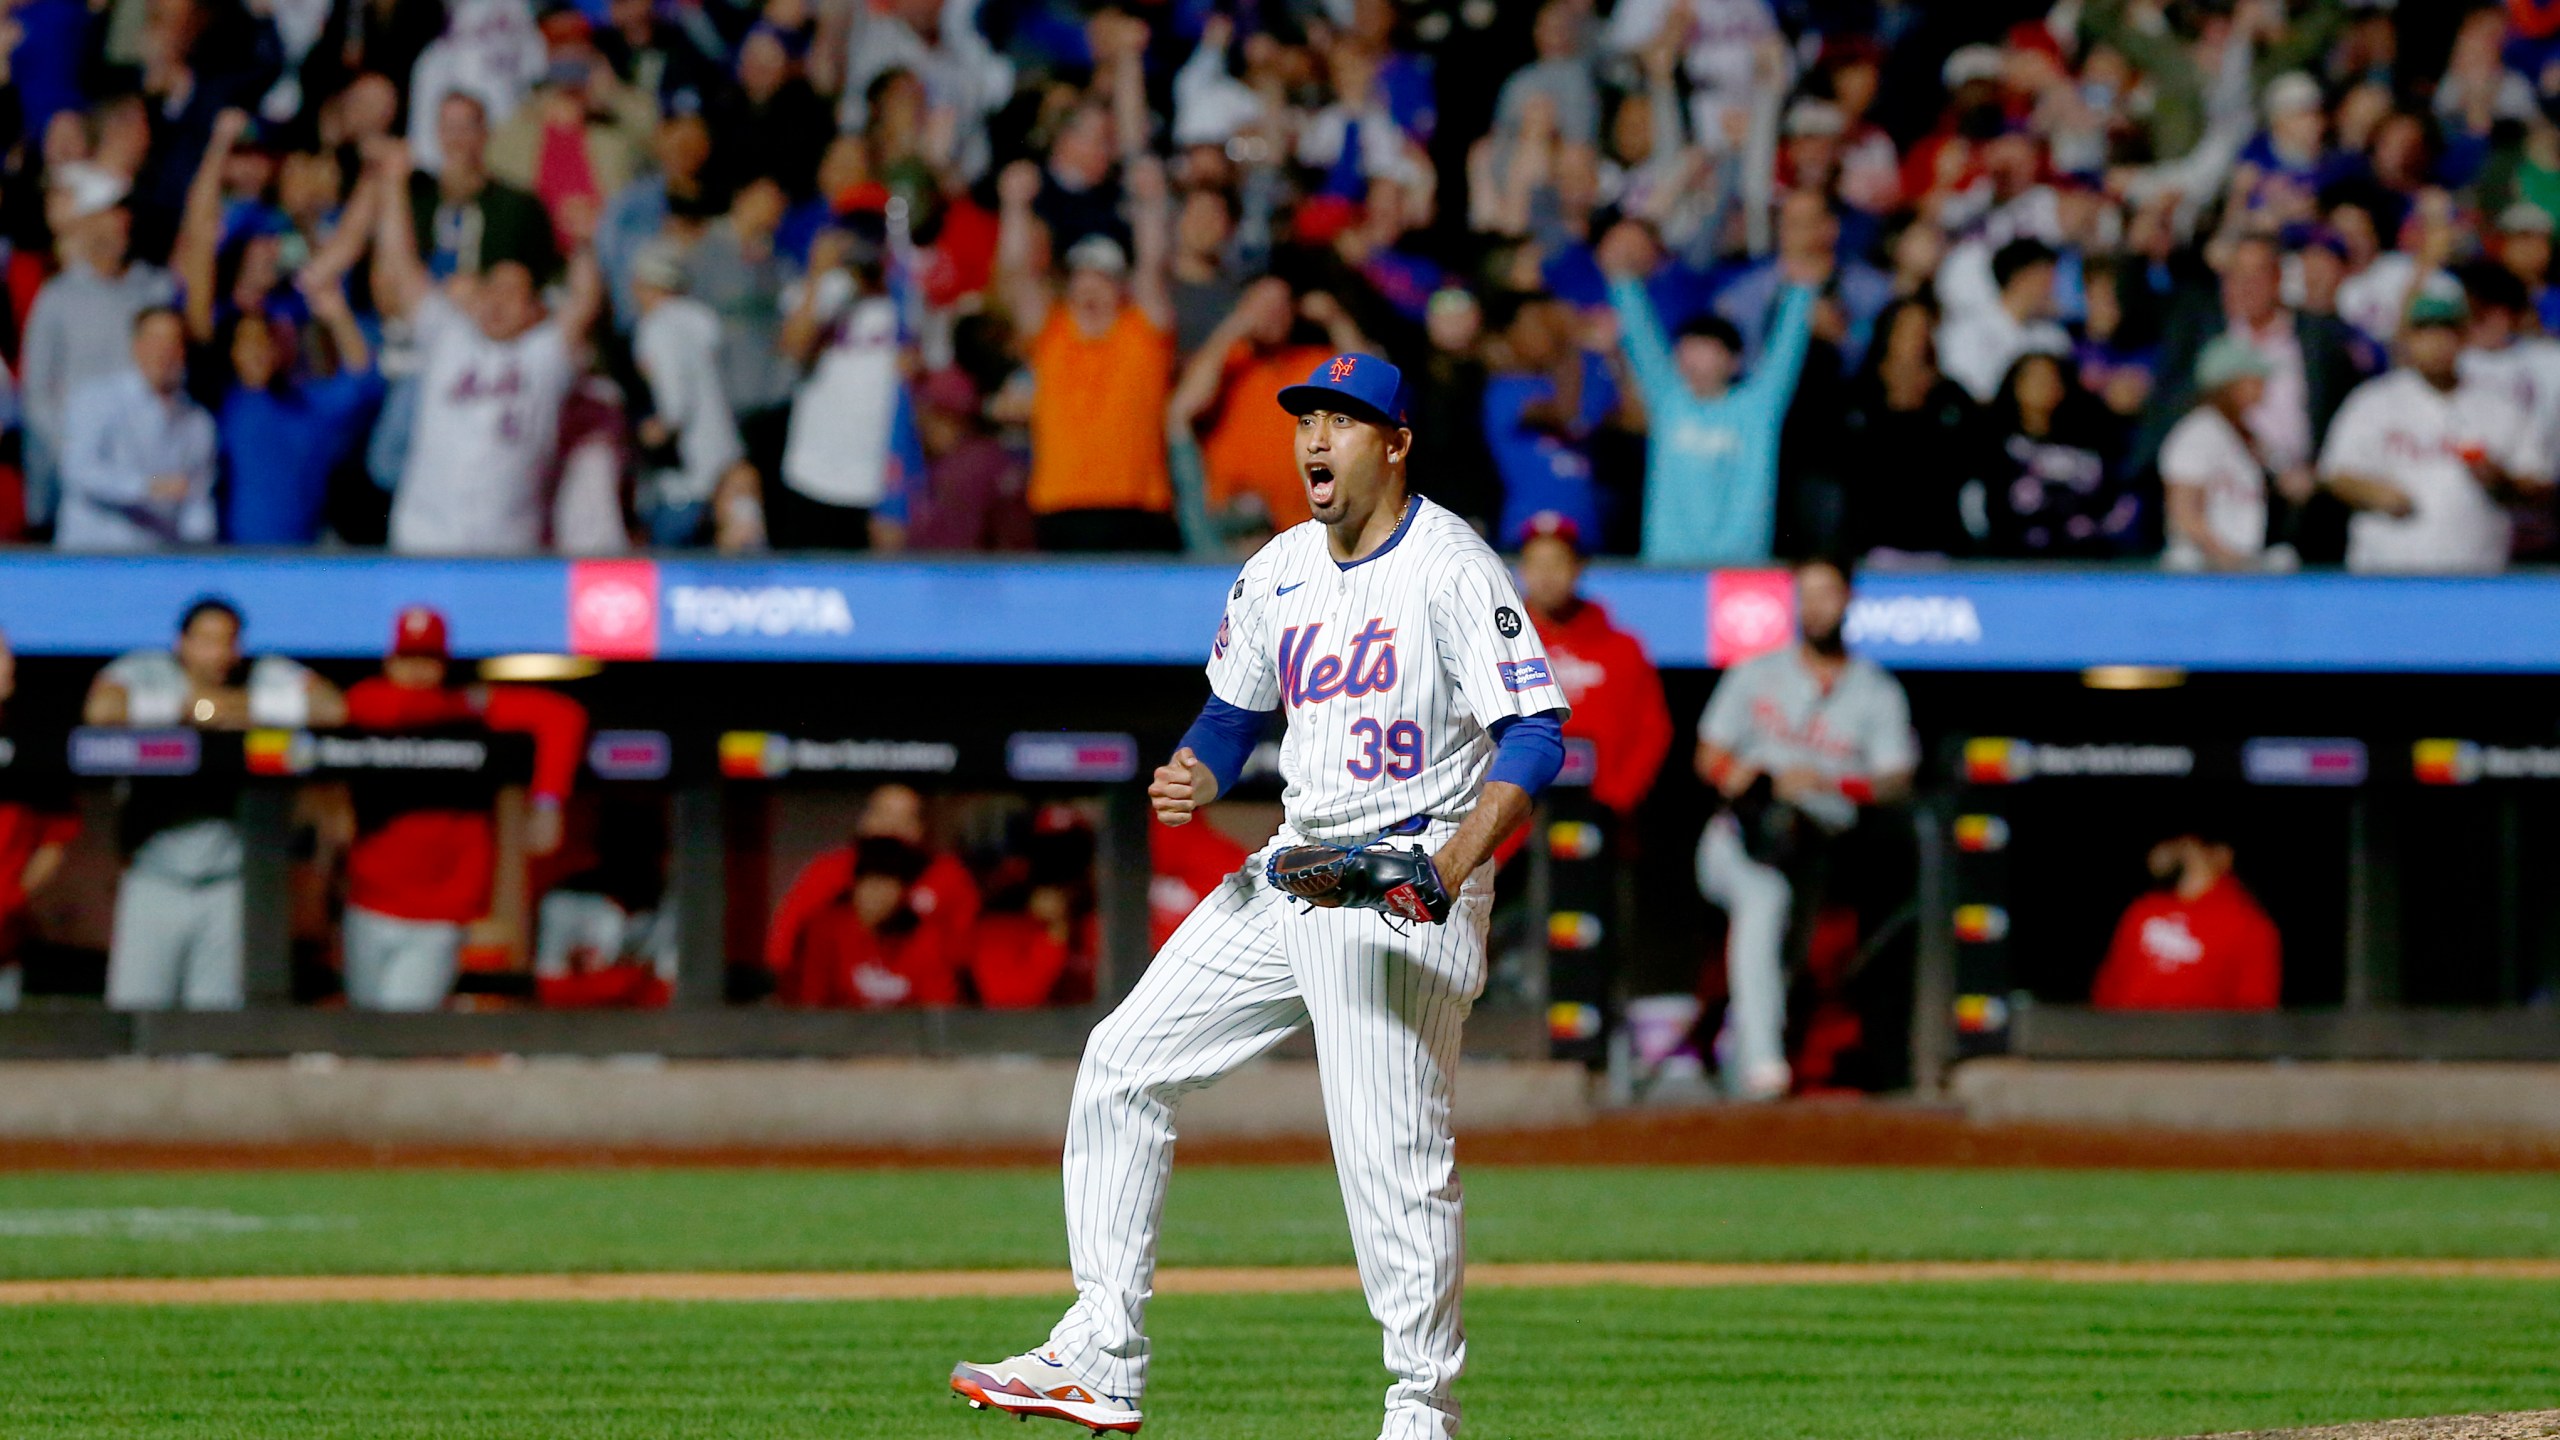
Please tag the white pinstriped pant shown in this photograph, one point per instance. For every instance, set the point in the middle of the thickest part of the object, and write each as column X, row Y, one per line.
column 1245, row 971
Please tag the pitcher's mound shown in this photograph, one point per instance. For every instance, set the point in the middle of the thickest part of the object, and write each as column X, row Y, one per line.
column 2523, row 1425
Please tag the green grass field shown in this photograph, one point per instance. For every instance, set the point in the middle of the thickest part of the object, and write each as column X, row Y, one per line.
column 2107, row 1362
column 1931, row 1363
column 225, row 1223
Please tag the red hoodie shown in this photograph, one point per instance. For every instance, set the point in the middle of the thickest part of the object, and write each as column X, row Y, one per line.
column 945, row 892
column 844, row 964
column 1189, row 862
column 439, row 864
column 1017, row 961
column 25, row 829
column 2218, row 951
column 1617, row 701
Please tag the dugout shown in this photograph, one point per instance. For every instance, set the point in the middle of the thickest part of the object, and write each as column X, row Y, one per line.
column 756, row 770
column 2400, row 869
column 970, row 652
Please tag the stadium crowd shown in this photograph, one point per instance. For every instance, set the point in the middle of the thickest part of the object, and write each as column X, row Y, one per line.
column 2238, row 283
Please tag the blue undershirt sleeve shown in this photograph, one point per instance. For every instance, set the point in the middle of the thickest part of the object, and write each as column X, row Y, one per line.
column 1529, row 750
column 1224, row 736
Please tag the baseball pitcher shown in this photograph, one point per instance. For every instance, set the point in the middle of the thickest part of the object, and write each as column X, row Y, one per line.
column 1422, row 719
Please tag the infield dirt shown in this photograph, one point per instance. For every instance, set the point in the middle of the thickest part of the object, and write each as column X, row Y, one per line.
column 2522, row 1425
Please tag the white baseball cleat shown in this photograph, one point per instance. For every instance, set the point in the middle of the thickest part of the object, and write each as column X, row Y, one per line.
column 1037, row 1384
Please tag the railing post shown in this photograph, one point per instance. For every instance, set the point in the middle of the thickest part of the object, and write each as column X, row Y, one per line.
column 699, row 882
column 2512, row 983
column 1933, row 986
column 1120, row 892
column 2373, row 907
column 266, row 894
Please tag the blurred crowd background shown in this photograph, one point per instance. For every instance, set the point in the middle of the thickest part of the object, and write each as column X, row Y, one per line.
column 1715, row 279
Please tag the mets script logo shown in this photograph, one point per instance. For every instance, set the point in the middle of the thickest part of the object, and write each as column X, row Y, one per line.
column 1342, row 366
column 1309, row 679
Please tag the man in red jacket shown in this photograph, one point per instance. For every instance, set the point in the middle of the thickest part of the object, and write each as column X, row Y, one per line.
column 1615, row 692
column 425, row 855
column 944, row 892
column 2202, row 943
column 874, row 946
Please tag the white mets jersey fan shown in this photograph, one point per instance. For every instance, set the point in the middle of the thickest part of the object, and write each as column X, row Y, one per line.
column 1390, row 670
column 488, row 414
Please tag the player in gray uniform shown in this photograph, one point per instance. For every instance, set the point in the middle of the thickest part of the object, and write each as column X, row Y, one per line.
column 1419, row 706
column 176, row 941
column 1799, row 739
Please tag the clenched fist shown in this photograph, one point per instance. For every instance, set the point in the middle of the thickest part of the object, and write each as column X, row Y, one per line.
column 1181, row 786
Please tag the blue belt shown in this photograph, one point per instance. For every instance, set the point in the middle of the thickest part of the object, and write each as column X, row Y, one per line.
column 1410, row 825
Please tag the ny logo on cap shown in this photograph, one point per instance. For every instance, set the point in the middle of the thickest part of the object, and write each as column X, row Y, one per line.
column 1342, row 368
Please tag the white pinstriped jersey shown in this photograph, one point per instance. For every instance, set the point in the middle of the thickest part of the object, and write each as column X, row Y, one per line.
column 1388, row 668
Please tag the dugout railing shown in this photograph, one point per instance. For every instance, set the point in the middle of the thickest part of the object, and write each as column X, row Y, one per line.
column 717, row 789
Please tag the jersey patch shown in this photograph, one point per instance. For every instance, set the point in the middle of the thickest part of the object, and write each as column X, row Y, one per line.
column 1218, row 647
column 1507, row 620
column 1519, row 675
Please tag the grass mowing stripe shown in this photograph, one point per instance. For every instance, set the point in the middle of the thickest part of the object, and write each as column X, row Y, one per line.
column 750, row 1286
column 219, row 1223
column 2001, row 1362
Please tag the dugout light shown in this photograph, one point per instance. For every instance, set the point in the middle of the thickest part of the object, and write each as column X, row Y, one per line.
column 2133, row 677
column 534, row 668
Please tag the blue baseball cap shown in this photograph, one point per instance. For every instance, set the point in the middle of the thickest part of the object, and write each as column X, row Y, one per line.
column 1362, row 385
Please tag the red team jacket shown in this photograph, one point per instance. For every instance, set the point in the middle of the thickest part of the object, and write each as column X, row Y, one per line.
column 842, row 963
column 437, row 864
column 1013, row 961
column 1018, row 962
column 24, row 829
column 1617, row 701
column 1189, row 862
column 2218, row 951
column 944, row 892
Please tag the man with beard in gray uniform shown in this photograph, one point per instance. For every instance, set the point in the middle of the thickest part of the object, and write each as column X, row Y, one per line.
column 1796, row 741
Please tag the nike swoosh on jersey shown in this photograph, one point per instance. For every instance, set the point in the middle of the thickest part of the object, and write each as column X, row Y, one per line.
column 1285, row 589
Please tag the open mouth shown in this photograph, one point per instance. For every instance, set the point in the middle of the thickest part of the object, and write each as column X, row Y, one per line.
column 1320, row 484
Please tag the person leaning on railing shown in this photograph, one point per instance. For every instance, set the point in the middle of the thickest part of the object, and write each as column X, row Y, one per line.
column 176, row 941
column 424, row 863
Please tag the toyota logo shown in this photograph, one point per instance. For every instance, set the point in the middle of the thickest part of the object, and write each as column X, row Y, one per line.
column 1753, row 621
column 614, row 610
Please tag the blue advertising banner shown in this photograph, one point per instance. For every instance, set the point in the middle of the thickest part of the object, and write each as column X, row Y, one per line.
column 1045, row 611
column 317, row 606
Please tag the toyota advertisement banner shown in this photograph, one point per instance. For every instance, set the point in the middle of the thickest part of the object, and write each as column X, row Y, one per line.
column 1056, row 611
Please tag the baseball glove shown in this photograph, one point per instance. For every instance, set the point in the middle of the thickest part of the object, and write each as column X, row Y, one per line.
column 1400, row 883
